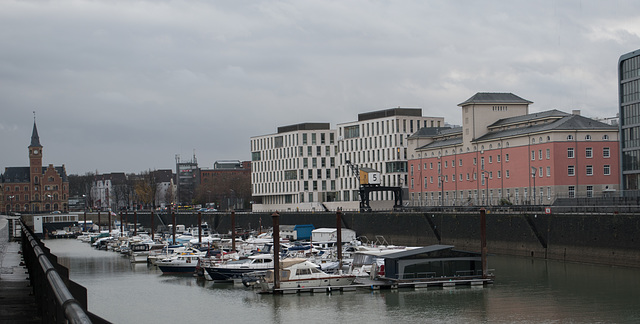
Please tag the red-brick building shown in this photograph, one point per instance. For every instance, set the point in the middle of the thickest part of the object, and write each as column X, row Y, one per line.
column 35, row 188
column 504, row 154
column 227, row 185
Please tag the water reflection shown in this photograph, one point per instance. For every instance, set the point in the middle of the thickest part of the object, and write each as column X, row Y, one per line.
column 525, row 291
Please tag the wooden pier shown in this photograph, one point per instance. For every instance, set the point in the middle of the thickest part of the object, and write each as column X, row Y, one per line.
column 379, row 285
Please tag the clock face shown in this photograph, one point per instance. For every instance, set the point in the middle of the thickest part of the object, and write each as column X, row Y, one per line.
column 35, row 151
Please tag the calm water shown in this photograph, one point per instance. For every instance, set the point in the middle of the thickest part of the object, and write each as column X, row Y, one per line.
column 525, row 291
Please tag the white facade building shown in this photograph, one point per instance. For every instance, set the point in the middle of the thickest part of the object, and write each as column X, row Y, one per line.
column 378, row 140
column 294, row 169
column 304, row 166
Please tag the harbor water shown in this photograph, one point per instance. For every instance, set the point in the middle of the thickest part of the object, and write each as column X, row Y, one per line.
column 525, row 291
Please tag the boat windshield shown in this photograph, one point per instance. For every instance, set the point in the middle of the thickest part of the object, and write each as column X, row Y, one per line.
column 363, row 259
column 243, row 261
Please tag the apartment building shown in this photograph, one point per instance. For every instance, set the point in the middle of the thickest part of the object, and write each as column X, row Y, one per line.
column 295, row 168
column 304, row 166
column 503, row 154
column 378, row 141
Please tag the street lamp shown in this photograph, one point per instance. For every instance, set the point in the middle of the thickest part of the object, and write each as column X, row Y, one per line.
column 485, row 179
column 49, row 204
column 10, row 203
column 533, row 175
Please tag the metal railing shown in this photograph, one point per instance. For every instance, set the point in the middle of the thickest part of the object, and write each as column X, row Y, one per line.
column 53, row 297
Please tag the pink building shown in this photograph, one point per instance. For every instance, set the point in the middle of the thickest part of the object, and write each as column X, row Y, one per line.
column 503, row 154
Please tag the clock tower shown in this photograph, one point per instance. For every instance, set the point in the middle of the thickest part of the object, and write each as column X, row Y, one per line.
column 35, row 168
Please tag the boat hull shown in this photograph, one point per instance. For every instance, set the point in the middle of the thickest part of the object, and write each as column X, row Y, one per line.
column 226, row 274
column 166, row 269
column 336, row 281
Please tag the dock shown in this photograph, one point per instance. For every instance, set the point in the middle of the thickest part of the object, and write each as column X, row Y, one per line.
column 368, row 284
column 17, row 301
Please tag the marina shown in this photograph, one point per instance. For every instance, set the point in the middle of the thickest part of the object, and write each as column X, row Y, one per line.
column 528, row 291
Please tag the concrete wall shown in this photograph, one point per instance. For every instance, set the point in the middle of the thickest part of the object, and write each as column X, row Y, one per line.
column 607, row 239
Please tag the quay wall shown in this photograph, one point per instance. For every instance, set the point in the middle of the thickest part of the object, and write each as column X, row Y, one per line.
column 610, row 239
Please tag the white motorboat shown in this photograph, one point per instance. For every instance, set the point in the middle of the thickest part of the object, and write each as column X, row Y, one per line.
column 184, row 262
column 235, row 269
column 300, row 273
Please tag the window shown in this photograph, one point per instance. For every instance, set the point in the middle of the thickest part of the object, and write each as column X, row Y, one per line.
column 548, row 171
column 460, row 162
column 475, row 161
column 605, row 152
column 540, row 173
column 533, row 155
column 571, row 171
column 589, row 191
column 589, row 170
column 572, row 191
column 605, row 137
column 548, row 154
column 607, row 169
column 569, row 137
column 499, row 174
column 570, row 152
column 587, row 138
column 539, row 154
column 498, row 158
column 506, row 174
column 588, row 153
column 506, row 157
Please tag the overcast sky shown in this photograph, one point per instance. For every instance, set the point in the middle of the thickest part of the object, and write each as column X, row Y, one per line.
column 124, row 86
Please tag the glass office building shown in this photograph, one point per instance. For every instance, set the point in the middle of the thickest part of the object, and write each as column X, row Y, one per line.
column 629, row 100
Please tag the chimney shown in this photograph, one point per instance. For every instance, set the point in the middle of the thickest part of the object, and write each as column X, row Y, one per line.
column 576, row 112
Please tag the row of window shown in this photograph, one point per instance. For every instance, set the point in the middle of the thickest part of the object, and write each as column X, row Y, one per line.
column 606, row 170
column 36, row 197
column 378, row 127
column 588, row 153
column 571, row 170
column 265, row 143
column 473, row 194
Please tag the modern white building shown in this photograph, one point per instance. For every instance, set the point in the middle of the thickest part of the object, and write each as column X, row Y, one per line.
column 304, row 166
column 294, row 169
column 378, row 141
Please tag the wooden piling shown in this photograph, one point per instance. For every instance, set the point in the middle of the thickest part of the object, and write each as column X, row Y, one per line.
column 276, row 251
column 483, row 243
column 339, row 237
column 233, row 230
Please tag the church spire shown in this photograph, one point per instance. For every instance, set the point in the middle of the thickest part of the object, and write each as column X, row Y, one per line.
column 35, row 139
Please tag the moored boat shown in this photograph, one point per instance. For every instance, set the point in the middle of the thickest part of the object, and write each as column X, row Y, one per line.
column 235, row 269
column 300, row 273
column 184, row 262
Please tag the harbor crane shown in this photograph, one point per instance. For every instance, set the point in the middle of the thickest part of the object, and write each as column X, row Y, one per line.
column 369, row 180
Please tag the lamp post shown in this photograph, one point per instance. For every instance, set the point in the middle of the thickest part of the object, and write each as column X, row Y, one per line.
column 533, row 175
column 485, row 179
column 49, row 204
column 10, row 203
column 84, row 207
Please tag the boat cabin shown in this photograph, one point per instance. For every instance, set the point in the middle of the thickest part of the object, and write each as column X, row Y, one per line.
column 434, row 261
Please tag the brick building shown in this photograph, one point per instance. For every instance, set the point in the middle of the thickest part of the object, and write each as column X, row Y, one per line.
column 226, row 186
column 35, row 188
column 504, row 154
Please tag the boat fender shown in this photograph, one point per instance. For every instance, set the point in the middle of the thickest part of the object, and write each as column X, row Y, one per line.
column 381, row 271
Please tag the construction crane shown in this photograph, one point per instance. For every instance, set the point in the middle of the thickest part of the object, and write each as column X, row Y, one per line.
column 369, row 180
